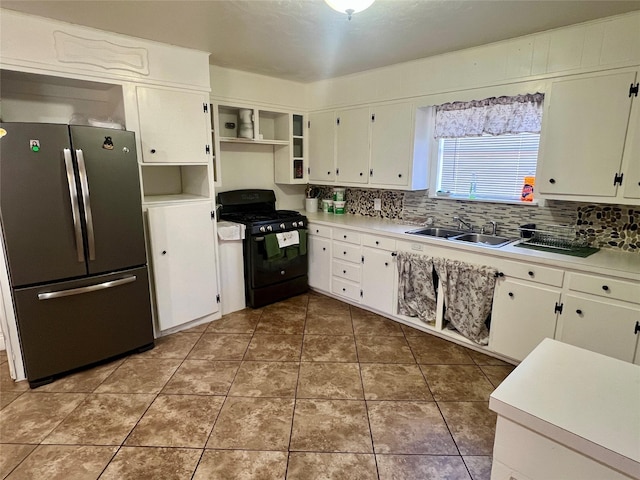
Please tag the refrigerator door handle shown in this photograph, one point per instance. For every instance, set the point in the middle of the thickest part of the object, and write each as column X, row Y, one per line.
column 87, row 289
column 75, row 209
column 86, row 200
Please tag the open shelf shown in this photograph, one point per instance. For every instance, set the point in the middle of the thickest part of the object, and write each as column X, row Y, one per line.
column 171, row 183
column 248, row 140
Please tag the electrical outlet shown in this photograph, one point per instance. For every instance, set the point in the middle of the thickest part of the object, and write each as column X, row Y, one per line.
column 377, row 204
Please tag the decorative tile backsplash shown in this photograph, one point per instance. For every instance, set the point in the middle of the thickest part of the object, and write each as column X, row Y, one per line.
column 605, row 226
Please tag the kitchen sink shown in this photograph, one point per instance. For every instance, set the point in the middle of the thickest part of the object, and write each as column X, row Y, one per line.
column 436, row 232
column 486, row 240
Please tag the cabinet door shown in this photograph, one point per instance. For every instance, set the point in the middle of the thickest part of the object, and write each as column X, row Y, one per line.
column 599, row 326
column 322, row 147
column 319, row 263
column 378, row 275
column 173, row 126
column 631, row 159
column 391, row 144
column 184, row 262
column 352, row 145
column 583, row 135
column 523, row 315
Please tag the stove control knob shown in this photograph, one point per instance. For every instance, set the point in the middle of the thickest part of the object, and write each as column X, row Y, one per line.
column 294, row 224
column 301, row 223
column 269, row 228
column 282, row 226
column 262, row 229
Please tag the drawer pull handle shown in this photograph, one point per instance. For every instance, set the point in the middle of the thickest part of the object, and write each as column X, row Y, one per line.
column 605, row 288
column 579, row 312
column 531, row 274
column 511, row 294
column 344, row 253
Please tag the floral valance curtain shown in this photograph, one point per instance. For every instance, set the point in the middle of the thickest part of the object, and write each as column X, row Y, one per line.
column 493, row 116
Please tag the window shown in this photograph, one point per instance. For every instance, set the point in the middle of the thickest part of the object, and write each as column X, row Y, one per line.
column 498, row 163
column 487, row 147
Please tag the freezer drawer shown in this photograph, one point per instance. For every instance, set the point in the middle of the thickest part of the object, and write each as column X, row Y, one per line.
column 67, row 325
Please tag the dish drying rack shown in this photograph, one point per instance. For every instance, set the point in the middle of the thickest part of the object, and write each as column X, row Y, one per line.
column 560, row 237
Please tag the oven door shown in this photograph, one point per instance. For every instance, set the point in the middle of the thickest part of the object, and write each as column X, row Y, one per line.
column 263, row 272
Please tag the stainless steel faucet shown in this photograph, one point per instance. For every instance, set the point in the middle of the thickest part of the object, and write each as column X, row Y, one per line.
column 494, row 227
column 462, row 223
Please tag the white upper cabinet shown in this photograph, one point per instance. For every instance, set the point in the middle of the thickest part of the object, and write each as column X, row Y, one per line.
column 383, row 146
column 585, row 127
column 322, row 147
column 174, row 126
column 352, row 145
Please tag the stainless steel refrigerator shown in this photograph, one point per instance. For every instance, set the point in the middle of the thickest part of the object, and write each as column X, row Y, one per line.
column 74, row 242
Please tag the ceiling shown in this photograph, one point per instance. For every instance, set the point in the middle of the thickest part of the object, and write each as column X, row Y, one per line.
column 305, row 40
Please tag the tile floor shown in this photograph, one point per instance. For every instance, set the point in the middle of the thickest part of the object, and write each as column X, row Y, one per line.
column 309, row 388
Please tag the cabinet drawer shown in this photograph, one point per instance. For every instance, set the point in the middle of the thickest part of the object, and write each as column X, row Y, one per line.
column 345, row 288
column 347, row 236
column 378, row 242
column 534, row 273
column 320, row 231
column 350, row 271
column 605, row 287
column 349, row 253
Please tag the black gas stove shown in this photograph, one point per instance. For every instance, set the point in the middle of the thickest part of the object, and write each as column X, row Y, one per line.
column 268, row 278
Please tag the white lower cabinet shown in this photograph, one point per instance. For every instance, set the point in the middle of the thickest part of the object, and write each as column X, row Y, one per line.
column 183, row 263
column 378, row 279
column 600, row 326
column 523, row 315
column 319, row 262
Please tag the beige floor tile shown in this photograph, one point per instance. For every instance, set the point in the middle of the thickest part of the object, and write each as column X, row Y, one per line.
column 7, row 397
column 253, row 424
column 482, row 359
column 11, row 455
column 331, row 426
column 140, row 375
column 432, row 350
column 383, row 350
column 202, row 377
column 409, row 428
column 177, row 421
column 32, row 416
column 241, row 464
column 197, row 329
column 143, row 463
column 266, row 379
column 479, row 467
column 457, row 382
column 368, row 323
column 213, row 346
column 275, row 348
column 322, row 304
column 333, row 466
column 101, row 419
column 176, row 345
column 413, row 332
column 394, row 382
column 329, row 348
column 85, row 381
column 3, row 357
column 297, row 301
column 242, row 321
column 330, row 380
column 282, row 319
column 7, row 384
column 392, row 467
column 497, row 373
column 328, row 323
column 472, row 425
column 64, row 462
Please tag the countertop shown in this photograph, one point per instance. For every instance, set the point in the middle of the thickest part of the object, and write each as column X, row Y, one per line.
column 581, row 399
column 606, row 261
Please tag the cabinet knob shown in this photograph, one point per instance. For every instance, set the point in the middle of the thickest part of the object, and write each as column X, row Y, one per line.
column 361, row 174
column 386, row 264
column 399, row 175
column 499, row 274
column 317, row 231
column 344, row 253
column 552, row 180
column 579, row 312
column 344, row 236
column 164, row 252
column 605, row 288
column 324, row 249
column 530, row 272
column 328, row 173
column 511, row 294
column 344, row 289
column 377, row 242
column 153, row 150
column 344, row 271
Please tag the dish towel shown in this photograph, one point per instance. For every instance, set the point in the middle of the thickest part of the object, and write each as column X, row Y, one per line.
column 230, row 231
column 286, row 239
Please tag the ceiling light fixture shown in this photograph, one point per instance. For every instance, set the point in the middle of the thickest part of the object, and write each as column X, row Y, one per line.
column 349, row 6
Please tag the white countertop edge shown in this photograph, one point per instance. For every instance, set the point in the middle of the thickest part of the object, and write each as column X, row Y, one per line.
column 612, row 459
column 606, row 262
